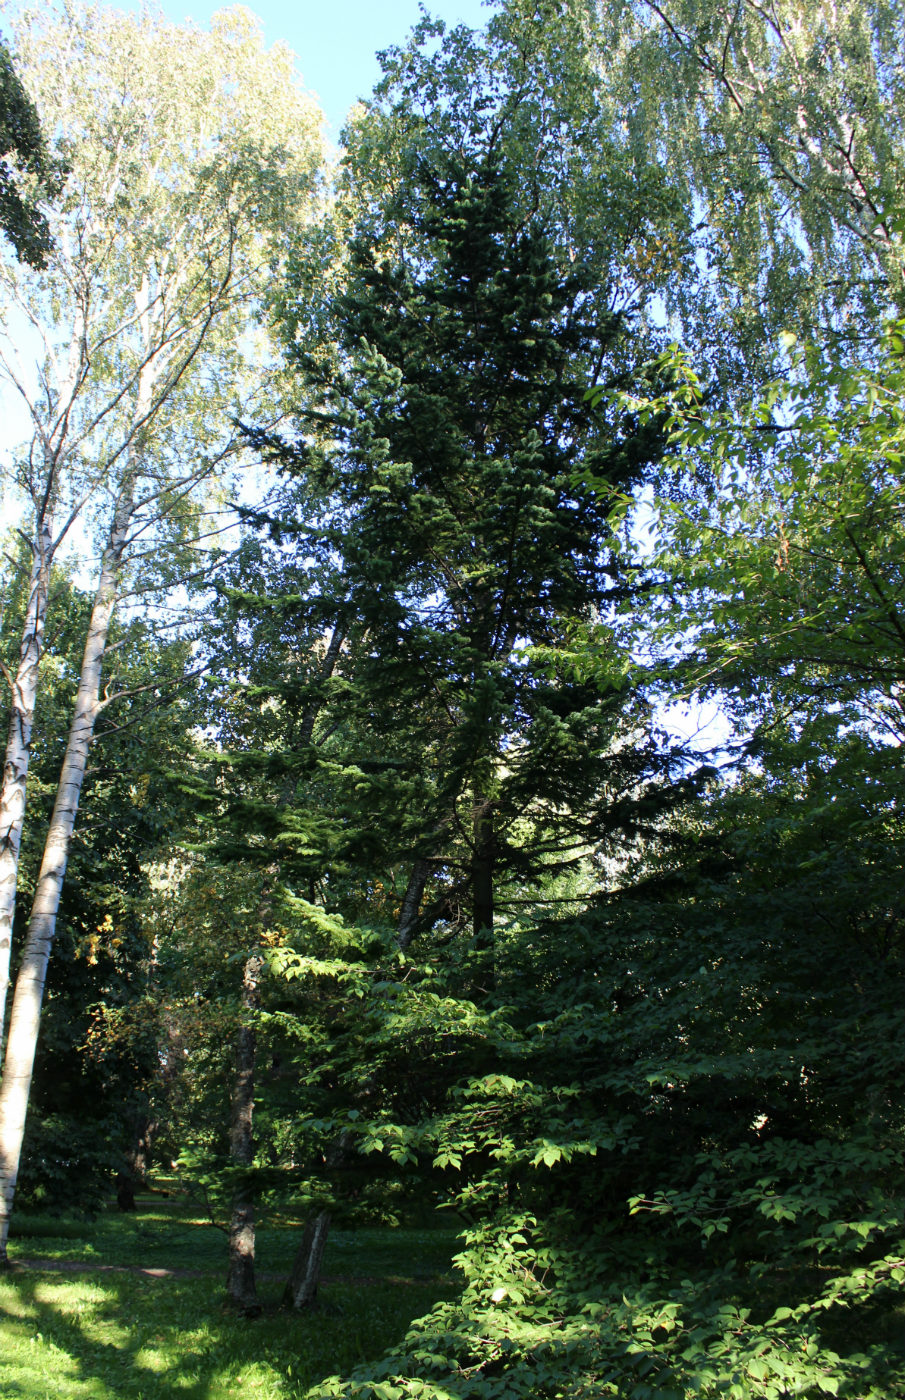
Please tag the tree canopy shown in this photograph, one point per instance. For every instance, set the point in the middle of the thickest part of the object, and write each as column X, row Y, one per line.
column 570, row 396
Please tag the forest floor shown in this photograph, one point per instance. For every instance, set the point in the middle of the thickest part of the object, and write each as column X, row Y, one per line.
column 131, row 1307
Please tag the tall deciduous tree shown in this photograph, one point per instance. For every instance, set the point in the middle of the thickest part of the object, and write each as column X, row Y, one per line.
column 779, row 126
column 790, row 572
column 98, row 1052
column 189, row 156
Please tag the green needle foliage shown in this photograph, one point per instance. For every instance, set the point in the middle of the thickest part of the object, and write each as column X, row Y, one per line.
column 668, row 1116
column 443, row 430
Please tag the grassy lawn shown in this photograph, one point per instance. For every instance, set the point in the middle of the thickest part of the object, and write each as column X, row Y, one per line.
column 103, row 1334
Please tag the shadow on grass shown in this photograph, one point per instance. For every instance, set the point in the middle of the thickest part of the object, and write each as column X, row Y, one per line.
column 124, row 1337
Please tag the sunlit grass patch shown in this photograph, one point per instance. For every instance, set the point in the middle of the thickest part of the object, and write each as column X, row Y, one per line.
column 120, row 1335
column 145, row 1339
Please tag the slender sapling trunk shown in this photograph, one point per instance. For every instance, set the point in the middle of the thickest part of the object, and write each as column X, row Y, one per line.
column 482, row 863
column 411, row 902
column 240, row 1279
column 301, row 1286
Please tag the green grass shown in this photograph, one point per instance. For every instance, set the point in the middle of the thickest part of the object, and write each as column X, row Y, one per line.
column 169, row 1234
column 109, row 1335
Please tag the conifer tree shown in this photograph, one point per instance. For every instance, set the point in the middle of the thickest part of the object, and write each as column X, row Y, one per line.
column 472, row 494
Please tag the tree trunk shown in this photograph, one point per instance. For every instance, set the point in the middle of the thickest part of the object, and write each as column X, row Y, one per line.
column 482, row 874
column 328, row 666
column 140, row 1153
column 24, row 691
column 136, row 1160
column 301, row 1286
column 125, row 1191
column 25, row 1018
column 411, row 902
column 240, row 1278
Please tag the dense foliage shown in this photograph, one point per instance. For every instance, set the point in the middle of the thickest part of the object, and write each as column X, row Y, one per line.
column 419, row 901
column 469, row 494
column 27, row 171
column 679, row 1142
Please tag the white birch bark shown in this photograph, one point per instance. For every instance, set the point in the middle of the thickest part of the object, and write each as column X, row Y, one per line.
column 301, row 1286
column 159, row 281
column 25, row 1017
column 150, row 290
column 23, row 696
column 24, row 685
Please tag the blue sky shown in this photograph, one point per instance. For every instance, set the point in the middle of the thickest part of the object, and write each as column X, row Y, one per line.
column 336, row 41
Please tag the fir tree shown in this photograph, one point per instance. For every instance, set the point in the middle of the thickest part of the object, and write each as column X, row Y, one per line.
column 473, row 492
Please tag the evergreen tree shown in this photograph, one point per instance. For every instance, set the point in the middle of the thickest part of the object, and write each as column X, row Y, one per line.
column 449, row 435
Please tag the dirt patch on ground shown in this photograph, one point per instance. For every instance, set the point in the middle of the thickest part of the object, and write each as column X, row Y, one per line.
column 80, row 1266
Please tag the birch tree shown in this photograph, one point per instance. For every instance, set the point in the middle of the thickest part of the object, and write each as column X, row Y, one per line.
column 777, row 127
column 190, row 154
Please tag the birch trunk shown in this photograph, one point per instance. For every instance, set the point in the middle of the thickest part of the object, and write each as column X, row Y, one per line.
column 301, row 1286
column 25, row 1018
column 24, row 691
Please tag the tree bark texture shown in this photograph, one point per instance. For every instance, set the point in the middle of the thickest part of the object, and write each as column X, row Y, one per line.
column 411, row 902
column 301, row 1286
column 240, row 1278
column 24, row 691
column 136, row 1160
column 316, row 704
column 25, row 1017
column 482, row 873
column 140, row 1152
